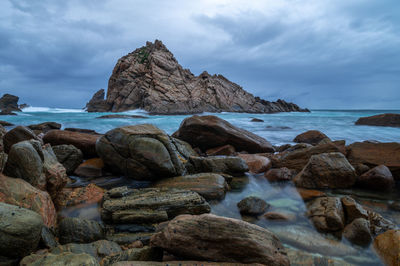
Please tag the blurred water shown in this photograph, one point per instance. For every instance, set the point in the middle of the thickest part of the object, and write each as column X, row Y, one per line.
column 278, row 128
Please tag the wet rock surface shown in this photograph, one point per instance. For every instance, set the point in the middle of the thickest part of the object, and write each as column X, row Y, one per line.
column 206, row 132
column 153, row 205
column 69, row 156
column 279, row 174
column 17, row 134
column 378, row 178
column 256, row 163
column 141, row 152
column 65, row 258
column 20, row 230
column 252, row 206
column 232, row 165
column 312, row 137
column 384, row 120
column 327, row 170
column 77, row 230
column 327, row 214
column 215, row 238
column 209, row 185
column 387, row 245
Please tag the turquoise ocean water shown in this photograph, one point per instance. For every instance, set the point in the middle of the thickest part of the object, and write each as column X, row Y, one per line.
column 278, row 128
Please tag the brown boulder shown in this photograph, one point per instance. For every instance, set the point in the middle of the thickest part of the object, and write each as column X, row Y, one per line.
column 44, row 127
column 374, row 154
column 309, row 194
column 327, row 214
column 9, row 102
column 18, row 192
column 91, row 168
column 312, row 137
column 210, row 131
column 209, row 185
column 358, row 232
column 83, row 195
column 378, row 178
column 214, row 238
column 227, row 150
column 327, row 170
column 85, row 142
column 17, row 134
column 353, row 210
column 387, row 245
column 279, row 174
column 384, row 120
column 298, row 156
column 256, row 163
column 252, row 206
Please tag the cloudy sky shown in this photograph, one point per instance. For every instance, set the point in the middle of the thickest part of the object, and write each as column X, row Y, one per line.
column 319, row 54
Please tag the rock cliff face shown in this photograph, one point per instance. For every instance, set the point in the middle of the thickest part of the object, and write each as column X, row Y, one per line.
column 150, row 78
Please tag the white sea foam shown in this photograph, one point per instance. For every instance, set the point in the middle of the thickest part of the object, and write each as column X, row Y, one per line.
column 32, row 109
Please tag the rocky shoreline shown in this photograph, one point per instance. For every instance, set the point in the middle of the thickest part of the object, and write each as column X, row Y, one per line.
column 165, row 209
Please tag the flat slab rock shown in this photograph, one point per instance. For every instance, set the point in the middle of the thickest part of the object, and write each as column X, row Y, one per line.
column 150, row 205
column 383, row 120
column 214, row 238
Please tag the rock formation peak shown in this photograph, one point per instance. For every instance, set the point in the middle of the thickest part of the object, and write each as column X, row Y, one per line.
column 150, row 78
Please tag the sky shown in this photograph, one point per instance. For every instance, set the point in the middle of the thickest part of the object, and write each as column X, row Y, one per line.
column 320, row 54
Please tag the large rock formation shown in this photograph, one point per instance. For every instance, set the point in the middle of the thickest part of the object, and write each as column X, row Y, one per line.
column 9, row 103
column 150, row 78
column 383, row 120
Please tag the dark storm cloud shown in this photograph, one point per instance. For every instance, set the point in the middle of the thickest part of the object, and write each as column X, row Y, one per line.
column 319, row 54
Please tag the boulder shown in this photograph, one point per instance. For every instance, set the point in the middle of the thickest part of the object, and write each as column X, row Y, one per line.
column 209, row 185
column 297, row 157
column 227, row 150
column 309, row 194
column 5, row 124
column 91, row 168
column 3, row 161
column 20, row 230
column 36, row 164
column 278, row 216
column 99, row 249
column 17, row 134
column 47, row 238
column 378, row 178
column 312, row 137
column 65, row 258
column 374, row 154
column 279, row 174
column 9, row 102
column 142, row 152
column 387, row 245
column 383, row 120
column 208, row 132
column 256, row 163
column 357, row 232
column 252, row 206
column 256, row 120
column 3, row 131
column 214, row 238
column 134, row 254
column 68, row 197
column 44, row 127
column 18, row 192
column 231, row 165
column 353, row 210
column 150, row 78
column 82, row 130
column 327, row 170
column 69, row 156
column 77, row 230
column 151, row 205
column 83, row 141
column 327, row 214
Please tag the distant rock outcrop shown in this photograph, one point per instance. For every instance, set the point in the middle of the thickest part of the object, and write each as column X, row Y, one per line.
column 150, row 78
column 383, row 120
column 9, row 103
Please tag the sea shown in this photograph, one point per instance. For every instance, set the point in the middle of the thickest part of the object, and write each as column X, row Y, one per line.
column 278, row 128
column 304, row 244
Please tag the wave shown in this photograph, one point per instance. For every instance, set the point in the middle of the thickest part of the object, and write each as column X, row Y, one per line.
column 136, row 111
column 32, row 109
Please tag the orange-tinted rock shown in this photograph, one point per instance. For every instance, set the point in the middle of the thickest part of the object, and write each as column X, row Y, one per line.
column 312, row 137
column 85, row 142
column 279, row 216
column 227, row 150
column 256, row 163
column 309, row 194
column 18, row 192
column 374, row 154
column 279, row 174
column 91, row 168
column 82, row 195
column 387, row 245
